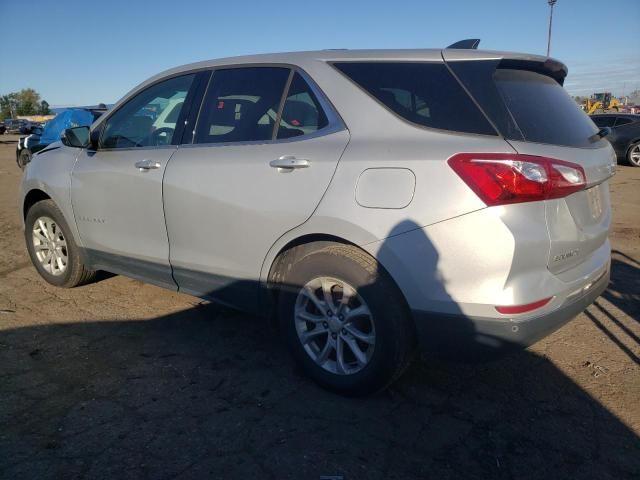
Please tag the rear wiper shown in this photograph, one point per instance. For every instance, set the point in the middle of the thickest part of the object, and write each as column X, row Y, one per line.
column 603, row 132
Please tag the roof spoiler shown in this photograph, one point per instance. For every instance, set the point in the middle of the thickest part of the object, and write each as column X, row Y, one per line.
column 468, row 44
column 550, row 67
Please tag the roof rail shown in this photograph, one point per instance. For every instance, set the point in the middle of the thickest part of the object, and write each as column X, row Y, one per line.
column 468, row 44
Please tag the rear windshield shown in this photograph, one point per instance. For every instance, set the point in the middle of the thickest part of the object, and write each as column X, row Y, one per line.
column 425, row 94
column 542, row 109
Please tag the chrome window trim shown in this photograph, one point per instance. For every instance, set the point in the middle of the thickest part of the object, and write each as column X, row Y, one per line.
column 137, row 149
column 334, row 121
column 105, row 118
column 100, row 121
column 497, row 134
column 323, row 132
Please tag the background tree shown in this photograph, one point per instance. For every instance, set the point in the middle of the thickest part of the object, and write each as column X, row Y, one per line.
column 28, row 101
column 8, row 105
column 44, row 108
column 25, row 102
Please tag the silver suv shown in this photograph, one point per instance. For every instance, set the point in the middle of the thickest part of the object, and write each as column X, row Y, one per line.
column 368, row 199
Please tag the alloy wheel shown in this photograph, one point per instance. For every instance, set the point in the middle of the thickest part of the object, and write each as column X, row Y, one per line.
column 50, row 246
column 634, row 155
column 334, row 325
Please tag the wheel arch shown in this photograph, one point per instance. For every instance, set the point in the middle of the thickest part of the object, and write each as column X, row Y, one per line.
column 315, row 229
column 627, row 152
column 309, row 242
column 32, row 197
column 631, row 144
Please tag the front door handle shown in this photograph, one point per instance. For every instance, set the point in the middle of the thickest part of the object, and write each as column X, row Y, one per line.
column 289, row 162
column 144, row 165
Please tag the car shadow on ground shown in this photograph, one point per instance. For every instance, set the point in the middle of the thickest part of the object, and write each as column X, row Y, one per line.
column 624, row 289
column 624, row 294
column 211, row 393
column 208, row 393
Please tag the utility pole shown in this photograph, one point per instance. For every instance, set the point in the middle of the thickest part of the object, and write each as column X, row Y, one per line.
column 551, row 4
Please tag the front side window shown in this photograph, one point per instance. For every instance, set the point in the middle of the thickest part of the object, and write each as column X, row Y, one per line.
column 150, row 118
column 241, row 105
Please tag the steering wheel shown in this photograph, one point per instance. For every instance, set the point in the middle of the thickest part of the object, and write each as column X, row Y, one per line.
column 155, row 135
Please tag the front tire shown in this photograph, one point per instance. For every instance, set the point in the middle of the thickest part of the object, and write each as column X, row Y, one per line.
column 344, row 319
column 633, row 155
column 24, row 158
column 51, row 247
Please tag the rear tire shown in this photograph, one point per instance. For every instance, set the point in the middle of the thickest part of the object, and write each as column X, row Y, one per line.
column 363, row 323
column 52, row 248
column 633, row 155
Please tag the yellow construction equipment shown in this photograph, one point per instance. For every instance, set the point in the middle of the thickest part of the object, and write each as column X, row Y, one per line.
column 601, row 101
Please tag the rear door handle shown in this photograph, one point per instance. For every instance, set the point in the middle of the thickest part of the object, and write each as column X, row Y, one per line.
column 144, row 165
column 290, row 162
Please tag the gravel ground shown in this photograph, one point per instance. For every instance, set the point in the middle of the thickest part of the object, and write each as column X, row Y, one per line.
column 119, row 379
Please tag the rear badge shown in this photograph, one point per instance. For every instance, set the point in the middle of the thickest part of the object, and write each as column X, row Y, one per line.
column 564, row 256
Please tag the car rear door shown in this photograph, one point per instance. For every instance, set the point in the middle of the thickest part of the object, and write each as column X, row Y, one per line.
column 265, row 148
column 525, row 99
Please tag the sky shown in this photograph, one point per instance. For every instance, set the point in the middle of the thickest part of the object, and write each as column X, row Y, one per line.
column 85, row 52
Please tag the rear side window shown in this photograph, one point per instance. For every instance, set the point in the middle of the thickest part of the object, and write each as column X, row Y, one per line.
column 301, row 114
column 425, row 94
column 542, row 109
column 241, row 105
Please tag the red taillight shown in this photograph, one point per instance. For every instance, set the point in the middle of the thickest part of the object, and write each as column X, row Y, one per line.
column 503, row 178
column 515, row 309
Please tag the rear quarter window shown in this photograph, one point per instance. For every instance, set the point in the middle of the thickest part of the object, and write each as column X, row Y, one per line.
column 425, row 94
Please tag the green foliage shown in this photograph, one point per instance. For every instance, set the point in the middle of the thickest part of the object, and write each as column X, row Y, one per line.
column 25, row 102
column 8, row 105
column 44, row 108
column 28, row 101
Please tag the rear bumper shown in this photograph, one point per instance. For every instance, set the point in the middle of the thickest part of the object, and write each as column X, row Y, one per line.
column 437, row 331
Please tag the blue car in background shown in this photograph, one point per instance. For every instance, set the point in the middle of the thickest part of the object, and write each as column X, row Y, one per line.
column 41, row 138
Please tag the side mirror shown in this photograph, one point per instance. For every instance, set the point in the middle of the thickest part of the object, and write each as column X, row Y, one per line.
column 76, row 137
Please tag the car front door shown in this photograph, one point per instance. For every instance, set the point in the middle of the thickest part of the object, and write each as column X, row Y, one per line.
column 116, row 189
column 265, row 148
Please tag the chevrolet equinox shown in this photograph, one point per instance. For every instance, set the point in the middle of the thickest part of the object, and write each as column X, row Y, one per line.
column 369, row 200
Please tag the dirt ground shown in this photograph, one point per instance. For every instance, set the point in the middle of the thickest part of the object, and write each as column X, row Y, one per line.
column 119, row 379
